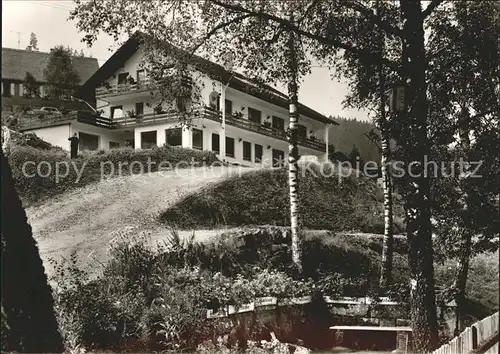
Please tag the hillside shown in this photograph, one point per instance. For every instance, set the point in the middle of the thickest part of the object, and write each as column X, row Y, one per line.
column 261, row 198
column 87, row 219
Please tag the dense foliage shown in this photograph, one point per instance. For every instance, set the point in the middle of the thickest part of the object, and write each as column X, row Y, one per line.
column 60, row 74
column 158, row 299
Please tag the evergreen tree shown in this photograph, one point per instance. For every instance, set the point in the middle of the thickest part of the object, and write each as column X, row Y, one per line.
column 33, row 43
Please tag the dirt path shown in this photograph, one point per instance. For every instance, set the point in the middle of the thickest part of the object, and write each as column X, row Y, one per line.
column 84, row 219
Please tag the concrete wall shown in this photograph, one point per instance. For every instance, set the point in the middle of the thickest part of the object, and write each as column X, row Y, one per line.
column 57, row 136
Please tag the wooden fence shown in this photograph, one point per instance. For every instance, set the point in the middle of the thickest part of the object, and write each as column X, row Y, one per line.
column 472, row 338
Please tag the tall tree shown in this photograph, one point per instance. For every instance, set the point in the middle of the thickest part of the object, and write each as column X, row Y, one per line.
column 293, row 150
column 465, row 108
column 33, row 42
column 386, row 271
column 60, row 73
column 26, row 296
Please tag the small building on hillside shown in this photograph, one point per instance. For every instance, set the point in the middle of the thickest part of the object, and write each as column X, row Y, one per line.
column 17, row 62
column 253, row 131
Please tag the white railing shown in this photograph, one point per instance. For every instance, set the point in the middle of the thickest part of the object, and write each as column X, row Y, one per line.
column 472, row 338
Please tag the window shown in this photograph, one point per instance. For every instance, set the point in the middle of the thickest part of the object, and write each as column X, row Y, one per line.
column 229, row 107
column 16, row 89
column 278, row 123
column 258, row 153
column 148, row 139
column 254, row 115
column 302, row 131
column 278, row 158
column 215, row 142
column 229, row 146
column 197, row 139
column 88, row 141
column 114, row 145
column 139, row 108
column 6, row 89
column 116, row 112
column 141, row 76
column 173, row 136
column 122, row 78
column 247, row 151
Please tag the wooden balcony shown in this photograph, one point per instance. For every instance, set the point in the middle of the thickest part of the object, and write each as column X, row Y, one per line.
column 42, row 121
column 143, row 85
column 87, row 117
column 118, row 89
column 246, row 124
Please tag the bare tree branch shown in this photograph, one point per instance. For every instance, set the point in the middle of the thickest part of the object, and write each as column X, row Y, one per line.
column 364, row 55
column 373, row 18
column 431, row 7
column 219, row 27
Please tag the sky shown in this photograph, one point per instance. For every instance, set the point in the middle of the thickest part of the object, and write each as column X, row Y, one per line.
column 49, row 21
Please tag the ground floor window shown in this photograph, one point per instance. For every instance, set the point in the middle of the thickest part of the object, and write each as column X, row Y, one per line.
column 114, row 145
column 174, row 136
column 148, row 139
column 88, row 141
column 229, row 146
column 278, row 158
column 247, row 151
column 258, row 150
column 197, row 139
column 216, row 142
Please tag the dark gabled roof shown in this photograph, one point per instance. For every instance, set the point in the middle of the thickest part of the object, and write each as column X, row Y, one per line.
column 16, row 62
column 237, row 81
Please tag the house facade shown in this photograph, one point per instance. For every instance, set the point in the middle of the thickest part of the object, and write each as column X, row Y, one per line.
column 16, row 63
column 240, row 123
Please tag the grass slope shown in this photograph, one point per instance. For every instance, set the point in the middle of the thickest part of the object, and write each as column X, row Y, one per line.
column 261, row 198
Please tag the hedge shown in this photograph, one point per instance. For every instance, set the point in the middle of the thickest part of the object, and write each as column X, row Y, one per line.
column 39, row 179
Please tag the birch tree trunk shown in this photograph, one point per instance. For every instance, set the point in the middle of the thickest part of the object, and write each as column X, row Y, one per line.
column 387, row 245
column 293, row 151
column 415, row 145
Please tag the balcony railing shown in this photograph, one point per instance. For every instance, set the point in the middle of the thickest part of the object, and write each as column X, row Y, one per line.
column 123, row 88
column 40, row 121
column 143, row 85
column 246, row 124
column 87, row 117
column 144, row 119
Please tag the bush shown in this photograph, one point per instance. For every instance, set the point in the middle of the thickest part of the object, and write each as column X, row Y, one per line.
column 261, row 198
column 37, row 188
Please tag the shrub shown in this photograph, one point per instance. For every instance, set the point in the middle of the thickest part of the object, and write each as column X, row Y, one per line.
column 261, row 198
column 36, row 188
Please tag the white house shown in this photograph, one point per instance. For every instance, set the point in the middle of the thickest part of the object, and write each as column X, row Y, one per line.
column 249, row 129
